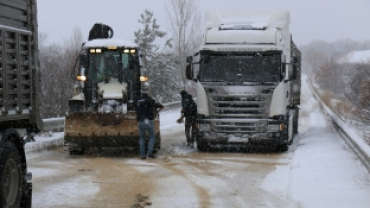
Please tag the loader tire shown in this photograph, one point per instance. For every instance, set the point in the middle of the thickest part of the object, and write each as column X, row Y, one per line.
column 11, row 175
column 201, row 145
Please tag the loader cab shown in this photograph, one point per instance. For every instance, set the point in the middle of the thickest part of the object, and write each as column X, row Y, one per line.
column 109, row 68
column 111, row 65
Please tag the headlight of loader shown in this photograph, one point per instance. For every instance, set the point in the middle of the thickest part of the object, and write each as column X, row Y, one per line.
column 143, row 78
column 81, row 78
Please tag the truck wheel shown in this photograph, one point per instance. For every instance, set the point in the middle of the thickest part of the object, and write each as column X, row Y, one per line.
column 290, row 125
column 10, row 176
column 285, row 136
column 282, row 147
column 295, row 121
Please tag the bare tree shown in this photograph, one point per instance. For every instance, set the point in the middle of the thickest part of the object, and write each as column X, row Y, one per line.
column 184, row 21
column 56, row 64
column 364, row 103
column 72, row 50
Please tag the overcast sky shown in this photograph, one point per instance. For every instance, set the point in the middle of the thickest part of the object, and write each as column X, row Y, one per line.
column 327, row 20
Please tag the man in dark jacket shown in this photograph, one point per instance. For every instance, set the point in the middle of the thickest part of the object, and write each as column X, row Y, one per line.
column 189, row 111
column 145, row 107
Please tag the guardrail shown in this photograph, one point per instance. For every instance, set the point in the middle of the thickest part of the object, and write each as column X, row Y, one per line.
column 54, row 124
column 360, row 153
column 57, row 124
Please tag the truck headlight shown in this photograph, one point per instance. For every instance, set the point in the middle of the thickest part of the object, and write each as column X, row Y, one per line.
column 204, row 127
column 276, row 127
column 273, row 128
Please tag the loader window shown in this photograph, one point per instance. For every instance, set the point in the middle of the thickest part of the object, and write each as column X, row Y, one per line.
column 127, row 61
column 105, row 66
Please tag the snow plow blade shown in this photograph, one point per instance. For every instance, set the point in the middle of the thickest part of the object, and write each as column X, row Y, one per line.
column 84, row 130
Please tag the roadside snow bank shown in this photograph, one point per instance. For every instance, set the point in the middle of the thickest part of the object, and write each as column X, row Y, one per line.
column 44, row 142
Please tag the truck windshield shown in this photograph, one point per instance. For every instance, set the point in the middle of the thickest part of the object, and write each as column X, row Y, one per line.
column 240, row 68
column 109, row 66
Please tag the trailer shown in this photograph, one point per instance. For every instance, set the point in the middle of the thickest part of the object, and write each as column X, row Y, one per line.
column 18, row 98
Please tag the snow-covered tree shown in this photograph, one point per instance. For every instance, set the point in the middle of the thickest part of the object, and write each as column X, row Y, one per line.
column 165, row 78
column 146, row 36
column 161, row 65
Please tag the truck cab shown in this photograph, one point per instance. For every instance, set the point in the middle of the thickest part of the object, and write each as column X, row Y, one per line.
column 248, row 80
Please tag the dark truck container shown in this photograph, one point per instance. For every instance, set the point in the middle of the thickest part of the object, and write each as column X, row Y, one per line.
column 18, row 98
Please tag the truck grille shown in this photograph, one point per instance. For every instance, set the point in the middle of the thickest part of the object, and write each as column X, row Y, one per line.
column 239, row 111
column 228, row 106
column 245, row 126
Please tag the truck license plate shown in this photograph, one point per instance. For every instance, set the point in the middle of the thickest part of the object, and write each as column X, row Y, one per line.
column 238, row 139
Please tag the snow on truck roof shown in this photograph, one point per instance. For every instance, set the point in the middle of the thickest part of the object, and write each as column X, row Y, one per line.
column 110, row 42
column 246, row 28
column 256, row 19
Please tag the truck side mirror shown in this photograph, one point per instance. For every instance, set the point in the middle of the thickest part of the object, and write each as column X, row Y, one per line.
column 295, row 64
column 295, row 72
column 295, row 60
column 189, row 70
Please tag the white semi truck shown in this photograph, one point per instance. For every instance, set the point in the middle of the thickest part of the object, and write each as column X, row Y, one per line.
column 248, row 80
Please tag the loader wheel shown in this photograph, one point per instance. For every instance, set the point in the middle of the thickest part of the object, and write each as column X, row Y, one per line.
column 10, row 176
column 76, row 152
column 201, row 145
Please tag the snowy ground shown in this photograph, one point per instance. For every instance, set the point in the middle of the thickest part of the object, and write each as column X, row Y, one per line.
column 323, row 172
column 317, row 171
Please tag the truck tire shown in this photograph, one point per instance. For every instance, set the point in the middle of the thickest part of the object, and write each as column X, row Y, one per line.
column 285, row 137
column 290, row 124
column 295, row 121
column 26, row 200
column 283, row 147
column 11, row 175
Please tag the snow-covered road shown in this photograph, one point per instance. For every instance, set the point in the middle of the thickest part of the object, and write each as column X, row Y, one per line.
column 317, row 171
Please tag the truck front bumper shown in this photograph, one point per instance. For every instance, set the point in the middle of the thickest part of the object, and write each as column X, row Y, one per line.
column 212, row 138
column 262, row 132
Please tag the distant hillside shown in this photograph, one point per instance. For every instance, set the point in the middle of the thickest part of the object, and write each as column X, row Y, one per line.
column 356, row 57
